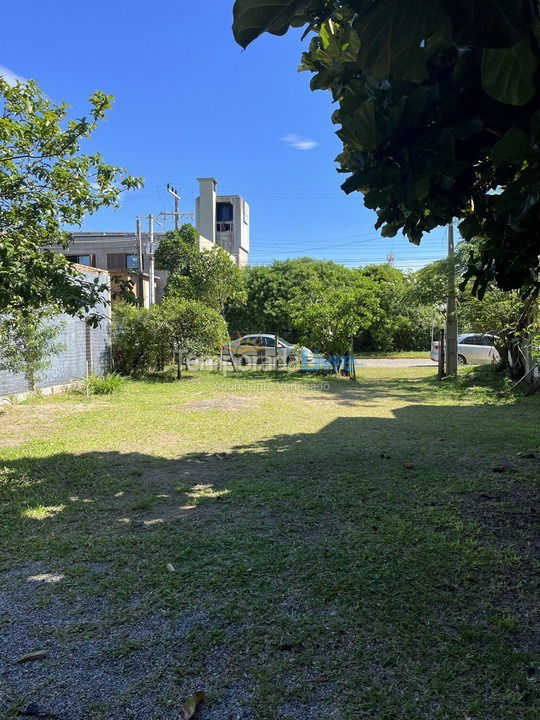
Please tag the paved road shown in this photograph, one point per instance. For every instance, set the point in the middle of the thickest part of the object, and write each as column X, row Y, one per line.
column 395, row 362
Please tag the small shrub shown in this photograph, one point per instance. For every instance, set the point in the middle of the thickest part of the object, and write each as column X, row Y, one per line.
column 106, row 385
column 146, row 339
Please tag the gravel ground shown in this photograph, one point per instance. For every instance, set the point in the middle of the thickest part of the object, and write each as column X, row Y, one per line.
column 99, row 663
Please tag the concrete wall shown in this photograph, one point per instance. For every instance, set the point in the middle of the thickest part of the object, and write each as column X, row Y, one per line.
column 205, row 209
column 82, row 344
column 236, row 241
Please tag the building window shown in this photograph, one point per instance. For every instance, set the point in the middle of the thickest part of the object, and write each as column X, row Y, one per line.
column 122, row 261
column 81, row 259
column 224, row 212
column 116, row 261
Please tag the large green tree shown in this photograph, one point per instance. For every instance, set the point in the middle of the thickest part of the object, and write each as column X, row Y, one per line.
column 273, row 292
column 334, row 315
column 46, row 184
column 404, row 323
column 438, row 103
column 176, row 247
column 210, row 275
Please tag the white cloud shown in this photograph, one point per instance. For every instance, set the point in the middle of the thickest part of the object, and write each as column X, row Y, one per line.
column 298, row 142
column 9, row 76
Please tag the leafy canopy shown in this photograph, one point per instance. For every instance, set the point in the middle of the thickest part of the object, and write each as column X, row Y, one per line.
column 210, row 276
column 334, row 315
column 176, row 247
column 46, row 184
column 274, row 290
column 438, row 108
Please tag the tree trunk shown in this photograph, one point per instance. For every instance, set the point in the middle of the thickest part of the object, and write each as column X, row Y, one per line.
column 512, row 358
column 179, row 366
column 335, row 362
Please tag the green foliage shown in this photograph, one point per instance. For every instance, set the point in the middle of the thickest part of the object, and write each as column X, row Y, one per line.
column 334, row 315
column 212, row 278
column 27, row 342
column 146, row 339
column 105, row 385
column 438, row 107
column 134, row 347
column 191, row 327
column 176, row 247
column 274, row 291
column 403, row 322
column 252, row 17
column 497, row 310
column 209, row 276
column 45, row 184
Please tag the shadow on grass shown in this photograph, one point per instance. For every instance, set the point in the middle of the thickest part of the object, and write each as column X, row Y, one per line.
column 358, row 528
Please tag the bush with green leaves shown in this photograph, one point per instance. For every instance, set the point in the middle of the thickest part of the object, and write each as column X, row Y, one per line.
column 134, row 348
column 275, row 290
column 145, row 340
column 103, row 385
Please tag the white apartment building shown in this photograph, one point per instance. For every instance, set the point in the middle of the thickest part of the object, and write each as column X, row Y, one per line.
column 223, row 220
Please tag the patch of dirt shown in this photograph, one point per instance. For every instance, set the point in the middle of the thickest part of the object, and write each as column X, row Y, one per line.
column 229, row 403
column 509, row 515
column 509, row 518
column 19, row 423
column 94, row 657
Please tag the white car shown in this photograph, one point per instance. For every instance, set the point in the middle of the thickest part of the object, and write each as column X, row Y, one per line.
column 260, row 348
column 473, row 349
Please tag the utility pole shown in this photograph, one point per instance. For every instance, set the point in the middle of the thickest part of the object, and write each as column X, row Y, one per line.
column 176, row 197
column 451, row 319
column 140, row 275
column 176, row 214
column 151, row 293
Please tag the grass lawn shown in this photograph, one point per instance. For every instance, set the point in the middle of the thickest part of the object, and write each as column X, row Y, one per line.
column 298, row 548
column 397, row 354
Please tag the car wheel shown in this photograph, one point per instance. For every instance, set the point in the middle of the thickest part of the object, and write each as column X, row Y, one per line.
column 242, row 358
column 462, row 360
column 292, row 361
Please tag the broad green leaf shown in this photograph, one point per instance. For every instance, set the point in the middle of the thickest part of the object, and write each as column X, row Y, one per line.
column 513, row 146
column 485, row 23
column 420, row 187
column 362, row 132
column 393, row 36
column 254, row 17
column 508, row 74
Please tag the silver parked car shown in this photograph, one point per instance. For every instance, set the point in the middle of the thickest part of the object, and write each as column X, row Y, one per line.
column 260, row 348
column 473, row 349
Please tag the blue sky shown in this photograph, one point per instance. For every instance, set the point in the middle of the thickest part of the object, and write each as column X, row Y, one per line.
column 190, row 103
